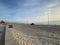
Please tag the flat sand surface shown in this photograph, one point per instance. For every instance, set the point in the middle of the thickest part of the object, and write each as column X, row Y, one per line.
column 36, row 29
column 9, row 39
column 42, row 32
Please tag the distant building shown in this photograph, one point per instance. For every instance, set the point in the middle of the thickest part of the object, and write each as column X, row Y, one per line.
column 2, row 22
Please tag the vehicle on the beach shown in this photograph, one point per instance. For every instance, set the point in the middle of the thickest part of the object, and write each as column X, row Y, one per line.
column 32, row 24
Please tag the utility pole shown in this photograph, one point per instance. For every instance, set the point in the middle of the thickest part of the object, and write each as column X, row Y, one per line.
column 48, row 18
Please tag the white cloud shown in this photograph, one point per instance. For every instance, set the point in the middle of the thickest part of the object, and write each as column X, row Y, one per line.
column 39, row 16
column 54, row 15
column 33, row 11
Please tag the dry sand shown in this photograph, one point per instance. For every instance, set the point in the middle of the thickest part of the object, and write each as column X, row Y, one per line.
column 36, row 35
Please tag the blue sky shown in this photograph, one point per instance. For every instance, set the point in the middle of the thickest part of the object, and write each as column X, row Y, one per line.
column 27, row 11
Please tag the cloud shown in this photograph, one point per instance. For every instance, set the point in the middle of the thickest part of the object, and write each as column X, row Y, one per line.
column 12, row 3
column 28, row 11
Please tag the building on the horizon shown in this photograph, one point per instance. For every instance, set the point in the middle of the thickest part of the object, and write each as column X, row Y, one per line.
column 2, row 22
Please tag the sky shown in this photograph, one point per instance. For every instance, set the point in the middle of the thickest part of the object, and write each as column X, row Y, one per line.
column 28, row 11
